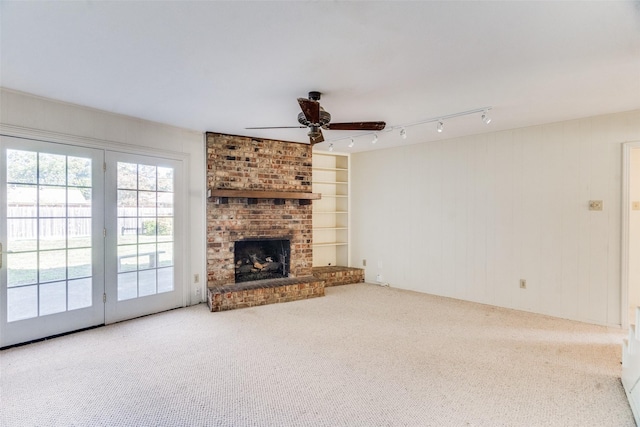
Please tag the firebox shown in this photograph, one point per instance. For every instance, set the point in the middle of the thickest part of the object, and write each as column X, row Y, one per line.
column 261, row 259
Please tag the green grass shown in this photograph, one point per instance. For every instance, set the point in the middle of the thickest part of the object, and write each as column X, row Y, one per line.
column 22, row 259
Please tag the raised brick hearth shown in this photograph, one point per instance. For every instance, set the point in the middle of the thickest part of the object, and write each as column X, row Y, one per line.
column 258, row 165
column 335, row 275
column 250, row 294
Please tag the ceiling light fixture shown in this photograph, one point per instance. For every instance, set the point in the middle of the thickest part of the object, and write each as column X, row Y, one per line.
column 403, row 128
column 485, row 118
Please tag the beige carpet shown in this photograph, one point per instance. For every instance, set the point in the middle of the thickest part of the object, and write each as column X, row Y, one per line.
column 361, row 356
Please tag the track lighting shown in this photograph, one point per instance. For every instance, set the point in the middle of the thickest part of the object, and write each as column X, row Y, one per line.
column 439, row 120
column 485, row 118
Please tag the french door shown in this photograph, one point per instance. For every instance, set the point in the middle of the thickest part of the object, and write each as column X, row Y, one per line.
column 142, row 217
column 80, row 247
column 51, row 229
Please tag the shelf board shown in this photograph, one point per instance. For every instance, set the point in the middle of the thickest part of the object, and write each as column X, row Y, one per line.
column 337, row 196
column 330, row 244
column 331, row 212
column 330, row 228
column 330, row 182
column 329, row 169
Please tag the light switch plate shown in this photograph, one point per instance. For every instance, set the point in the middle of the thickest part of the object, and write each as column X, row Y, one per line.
column 595, row 205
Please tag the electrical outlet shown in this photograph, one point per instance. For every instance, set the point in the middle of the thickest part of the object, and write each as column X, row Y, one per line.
column 196, row 278
column 379, row 278
column 198, row 291
column 635, row 206
column 523, row 284
column 595, row 205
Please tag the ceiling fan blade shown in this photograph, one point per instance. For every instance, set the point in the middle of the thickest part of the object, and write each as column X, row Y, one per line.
column 356, row 126
column 318, row 139
column 310, row 108
column 278, row 127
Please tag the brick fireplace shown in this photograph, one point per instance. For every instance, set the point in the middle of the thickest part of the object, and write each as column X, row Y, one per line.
column 259, row 190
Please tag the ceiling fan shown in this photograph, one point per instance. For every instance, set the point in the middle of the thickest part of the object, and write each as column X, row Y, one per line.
column 314, row 117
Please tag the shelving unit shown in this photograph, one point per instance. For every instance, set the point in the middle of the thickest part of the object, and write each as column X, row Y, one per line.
column 331, row 213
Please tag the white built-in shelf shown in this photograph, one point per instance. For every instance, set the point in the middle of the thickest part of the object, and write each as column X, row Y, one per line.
column 331, row 213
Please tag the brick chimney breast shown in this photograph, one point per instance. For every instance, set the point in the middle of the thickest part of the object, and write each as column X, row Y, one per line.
column 244, row 163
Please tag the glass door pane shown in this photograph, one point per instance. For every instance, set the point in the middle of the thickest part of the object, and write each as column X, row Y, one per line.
column 145, row 221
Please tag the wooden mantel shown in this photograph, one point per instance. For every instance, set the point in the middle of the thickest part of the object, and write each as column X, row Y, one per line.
column 253, row 195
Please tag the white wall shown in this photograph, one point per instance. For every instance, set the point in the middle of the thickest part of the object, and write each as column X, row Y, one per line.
column 634, row 231
column 469, row 217
column 26, row 115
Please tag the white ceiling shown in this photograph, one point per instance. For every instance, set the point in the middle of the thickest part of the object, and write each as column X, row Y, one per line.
column 224, row 66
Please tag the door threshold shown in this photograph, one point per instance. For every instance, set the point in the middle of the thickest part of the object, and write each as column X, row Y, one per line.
column 51, row 337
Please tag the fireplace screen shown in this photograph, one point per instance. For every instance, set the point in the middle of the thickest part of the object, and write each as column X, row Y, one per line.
column 261, row 259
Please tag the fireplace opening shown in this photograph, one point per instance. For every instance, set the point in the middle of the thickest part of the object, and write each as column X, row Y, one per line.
column 261, row 259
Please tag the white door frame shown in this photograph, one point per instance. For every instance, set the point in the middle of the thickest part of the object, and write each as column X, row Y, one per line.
column 624, row 237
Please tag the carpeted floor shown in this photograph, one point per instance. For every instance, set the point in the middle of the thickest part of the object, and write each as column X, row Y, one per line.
column 361, row 356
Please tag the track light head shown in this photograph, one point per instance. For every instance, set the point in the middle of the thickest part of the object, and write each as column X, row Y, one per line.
column 351, row 143
column 403, row 133
column 440, row 127
column 375, row 138
column 331, row 147
column 485, row 118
